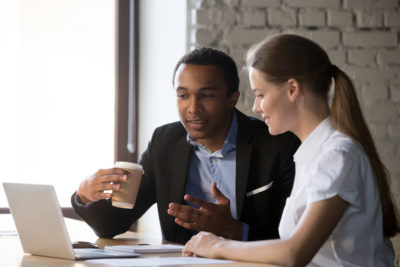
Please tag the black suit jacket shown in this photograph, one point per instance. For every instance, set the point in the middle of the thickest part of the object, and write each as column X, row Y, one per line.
column 261, row 159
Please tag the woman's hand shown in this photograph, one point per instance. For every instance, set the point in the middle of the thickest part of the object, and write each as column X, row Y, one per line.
column 204, row 244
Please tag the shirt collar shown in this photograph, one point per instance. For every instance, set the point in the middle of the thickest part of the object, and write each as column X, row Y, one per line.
column 229, row 143
column 312, row 144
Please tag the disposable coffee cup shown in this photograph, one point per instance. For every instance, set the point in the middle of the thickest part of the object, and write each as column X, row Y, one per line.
column 125, row 197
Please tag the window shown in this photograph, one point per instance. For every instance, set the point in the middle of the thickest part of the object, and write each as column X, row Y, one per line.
column 57, row 91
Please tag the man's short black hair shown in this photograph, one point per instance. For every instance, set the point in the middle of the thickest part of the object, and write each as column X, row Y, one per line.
column 211, row 56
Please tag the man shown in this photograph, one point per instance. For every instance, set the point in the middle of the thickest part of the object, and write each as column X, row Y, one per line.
column 216, row 170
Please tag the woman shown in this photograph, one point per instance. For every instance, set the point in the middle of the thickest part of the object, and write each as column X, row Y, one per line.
column 340, row 212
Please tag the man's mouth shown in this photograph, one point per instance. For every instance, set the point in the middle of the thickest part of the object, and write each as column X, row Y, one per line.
column 196, row 123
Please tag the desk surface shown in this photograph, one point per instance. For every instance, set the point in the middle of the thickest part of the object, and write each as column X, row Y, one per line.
column 11, row 254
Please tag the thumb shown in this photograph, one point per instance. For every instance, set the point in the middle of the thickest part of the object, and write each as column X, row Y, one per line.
column 218, row 195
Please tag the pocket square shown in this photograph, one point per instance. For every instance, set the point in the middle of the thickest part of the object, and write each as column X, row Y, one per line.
column 260, row 189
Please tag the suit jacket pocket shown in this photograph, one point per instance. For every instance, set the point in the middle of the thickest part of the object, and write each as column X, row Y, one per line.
column 260, row 189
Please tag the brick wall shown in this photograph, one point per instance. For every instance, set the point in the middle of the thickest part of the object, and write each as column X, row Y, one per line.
column 361, row 37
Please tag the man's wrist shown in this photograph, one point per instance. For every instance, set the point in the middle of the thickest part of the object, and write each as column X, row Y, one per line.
column 83, row 200
column 236, row 232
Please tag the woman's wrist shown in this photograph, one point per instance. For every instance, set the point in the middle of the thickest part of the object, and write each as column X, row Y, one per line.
column 220, row 247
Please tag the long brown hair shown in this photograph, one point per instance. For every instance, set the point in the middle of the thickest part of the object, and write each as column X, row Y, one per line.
column 284, row 56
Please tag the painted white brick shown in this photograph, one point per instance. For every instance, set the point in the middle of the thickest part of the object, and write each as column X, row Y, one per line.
column 340, row 18
column 232, row 3
column 203, row 36
column 370, row 39
column 257, row 18
column 392, row 19
column 244, row 37
column 380, row 112
column 313, row 3
column 369, row 4
column 395, row 93
column 325, row 38
column 386, row 149
column 239, row 56
column 312, row 18
column 261, row 3
column 337, row 56
column 392, row 163
column 394, row 129
column 282, row 17
column 369, row 18
column 197, row 3
column 389, row 57
column 228, row 17
column 203, row 3
column 374, row 76
column 246, row 92
column 361, row 57
column 372, row 94
column 378, row 132
column 204, row 17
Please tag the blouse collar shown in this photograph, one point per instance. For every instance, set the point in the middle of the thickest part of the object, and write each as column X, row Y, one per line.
column 312, row 144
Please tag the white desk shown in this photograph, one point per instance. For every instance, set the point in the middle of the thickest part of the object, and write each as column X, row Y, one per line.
column 11, row 254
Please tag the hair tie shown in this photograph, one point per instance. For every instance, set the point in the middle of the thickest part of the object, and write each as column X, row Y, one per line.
column 333, row 70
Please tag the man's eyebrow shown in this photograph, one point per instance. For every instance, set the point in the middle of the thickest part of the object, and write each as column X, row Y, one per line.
column 208, row 89
column 201, row 89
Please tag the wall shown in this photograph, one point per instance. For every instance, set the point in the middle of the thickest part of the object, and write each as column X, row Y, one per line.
column 162, row 42
column 361, row 37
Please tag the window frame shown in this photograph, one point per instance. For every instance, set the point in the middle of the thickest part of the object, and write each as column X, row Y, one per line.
column 126, row 87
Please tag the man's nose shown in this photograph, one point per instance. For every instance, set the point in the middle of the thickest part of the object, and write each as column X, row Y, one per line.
column 194, row 105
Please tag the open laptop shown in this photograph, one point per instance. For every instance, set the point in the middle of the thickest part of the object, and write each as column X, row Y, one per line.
column 41, row 227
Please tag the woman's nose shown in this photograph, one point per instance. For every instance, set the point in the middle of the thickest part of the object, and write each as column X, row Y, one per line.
column 256, row 106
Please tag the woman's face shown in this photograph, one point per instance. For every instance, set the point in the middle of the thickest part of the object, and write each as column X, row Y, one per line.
column 273, row 102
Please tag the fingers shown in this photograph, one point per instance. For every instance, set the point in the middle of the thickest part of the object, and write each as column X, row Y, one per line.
column 187, row 225
column 183, row 213
column 218, row 195
column 103, row 172
column 196, row 201
column 92, row 188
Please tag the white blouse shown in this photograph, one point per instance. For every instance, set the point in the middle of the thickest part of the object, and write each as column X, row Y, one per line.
column 329, row 163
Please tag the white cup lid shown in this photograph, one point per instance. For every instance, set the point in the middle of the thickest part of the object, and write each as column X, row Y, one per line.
column 128, row 165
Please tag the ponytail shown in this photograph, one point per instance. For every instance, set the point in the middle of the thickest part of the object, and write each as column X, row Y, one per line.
column 346, row 116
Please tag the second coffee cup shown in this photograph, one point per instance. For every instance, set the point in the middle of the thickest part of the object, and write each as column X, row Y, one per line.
column 125, row 197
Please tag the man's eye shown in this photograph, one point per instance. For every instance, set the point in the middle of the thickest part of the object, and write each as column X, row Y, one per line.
column 181, row 95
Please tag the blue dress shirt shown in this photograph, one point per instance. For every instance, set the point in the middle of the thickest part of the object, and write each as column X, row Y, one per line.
column 219, row 167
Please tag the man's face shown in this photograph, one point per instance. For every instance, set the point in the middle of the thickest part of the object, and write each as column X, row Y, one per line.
column 204, row 106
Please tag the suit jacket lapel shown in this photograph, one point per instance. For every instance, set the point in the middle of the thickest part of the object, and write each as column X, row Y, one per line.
column 243, row 155
column 180, row 170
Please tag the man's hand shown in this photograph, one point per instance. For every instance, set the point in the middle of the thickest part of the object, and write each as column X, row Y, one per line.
column 210, row 217
column 92, row 188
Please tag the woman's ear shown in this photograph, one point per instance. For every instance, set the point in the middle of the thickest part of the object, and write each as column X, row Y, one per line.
column 294, row 89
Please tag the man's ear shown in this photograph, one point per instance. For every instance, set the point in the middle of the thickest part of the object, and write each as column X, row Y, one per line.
column 233, row 99
column 294, row 89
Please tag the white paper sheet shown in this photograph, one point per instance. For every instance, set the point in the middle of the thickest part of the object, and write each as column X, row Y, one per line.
column 158, row 261
column 143, row 249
